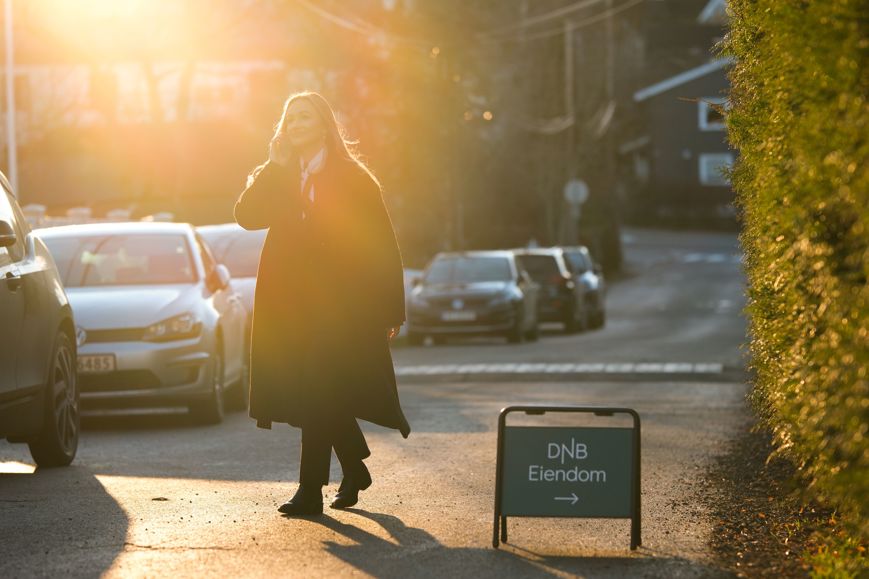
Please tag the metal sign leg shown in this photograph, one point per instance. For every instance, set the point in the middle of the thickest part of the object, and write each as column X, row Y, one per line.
column 636, row 511
column 499, row 520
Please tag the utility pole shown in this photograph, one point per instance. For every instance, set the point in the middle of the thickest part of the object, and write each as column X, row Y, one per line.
column 569, row 98
column 610, row 91
column 11, row 144
column 609, row 239
column 569, row 219
column 610, row 51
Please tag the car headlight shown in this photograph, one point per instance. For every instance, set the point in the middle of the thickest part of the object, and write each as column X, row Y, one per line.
column 175, row 328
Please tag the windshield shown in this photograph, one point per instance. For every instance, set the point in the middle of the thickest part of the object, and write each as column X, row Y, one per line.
column 217, row 240
column 539, row 267
column 103, row 260
column 469, row 270
column 238, row 251
column 577, row 262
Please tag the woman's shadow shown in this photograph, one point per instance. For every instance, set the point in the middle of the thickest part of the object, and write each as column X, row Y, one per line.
column 413, row 552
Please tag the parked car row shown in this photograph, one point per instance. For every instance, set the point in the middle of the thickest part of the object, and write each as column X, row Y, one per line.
column 118, row 315
column 144, row 314
column 504, row 292
column 507, row 293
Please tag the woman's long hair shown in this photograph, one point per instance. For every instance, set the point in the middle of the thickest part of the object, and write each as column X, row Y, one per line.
column 338, row 145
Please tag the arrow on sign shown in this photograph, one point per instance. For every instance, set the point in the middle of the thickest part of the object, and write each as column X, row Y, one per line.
column 572, row 498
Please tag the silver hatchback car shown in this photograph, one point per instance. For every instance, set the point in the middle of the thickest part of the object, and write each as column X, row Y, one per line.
column 158, row 322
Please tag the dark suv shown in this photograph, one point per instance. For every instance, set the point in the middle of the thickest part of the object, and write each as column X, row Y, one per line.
column 590, row 274
column 561, row 298
column 39, row 399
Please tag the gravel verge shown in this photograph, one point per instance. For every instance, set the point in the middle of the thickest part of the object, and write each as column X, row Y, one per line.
column 762, row 528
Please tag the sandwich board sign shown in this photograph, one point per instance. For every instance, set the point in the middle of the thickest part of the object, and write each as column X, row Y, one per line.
column 588, row 472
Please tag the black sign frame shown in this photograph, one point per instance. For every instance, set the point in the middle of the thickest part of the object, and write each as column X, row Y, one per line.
column 500, row 523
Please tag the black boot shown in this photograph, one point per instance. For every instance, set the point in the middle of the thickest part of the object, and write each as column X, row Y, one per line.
column 348, row 493
column 307, row 501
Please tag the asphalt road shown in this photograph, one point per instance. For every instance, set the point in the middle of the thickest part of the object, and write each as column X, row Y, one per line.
column 155, row 496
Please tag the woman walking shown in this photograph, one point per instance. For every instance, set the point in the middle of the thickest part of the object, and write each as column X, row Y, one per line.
column 329, row 296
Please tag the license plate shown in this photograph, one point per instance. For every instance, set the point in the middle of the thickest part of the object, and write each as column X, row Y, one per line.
column 96, row 364
column 458, row 316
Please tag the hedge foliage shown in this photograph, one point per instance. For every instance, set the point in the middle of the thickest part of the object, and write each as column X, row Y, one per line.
column 800, row 119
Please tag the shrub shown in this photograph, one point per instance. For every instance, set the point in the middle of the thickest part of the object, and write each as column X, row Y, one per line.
column 800, row 119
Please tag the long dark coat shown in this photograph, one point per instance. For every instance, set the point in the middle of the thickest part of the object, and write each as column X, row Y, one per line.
column 329, row 286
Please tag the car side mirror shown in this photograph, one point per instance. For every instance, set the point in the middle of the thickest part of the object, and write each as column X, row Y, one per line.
column 219, row 278
column 7, row 234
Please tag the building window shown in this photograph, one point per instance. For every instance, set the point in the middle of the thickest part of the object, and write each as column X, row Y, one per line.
column 713, row 168
column 710, row 113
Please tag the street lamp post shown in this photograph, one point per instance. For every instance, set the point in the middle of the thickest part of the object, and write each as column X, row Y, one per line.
column 11, row 144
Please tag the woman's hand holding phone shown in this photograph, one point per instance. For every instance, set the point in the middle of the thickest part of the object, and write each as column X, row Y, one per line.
column 277, row 151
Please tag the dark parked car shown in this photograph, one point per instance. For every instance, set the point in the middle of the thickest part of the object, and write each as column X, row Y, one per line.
column 157, row 319
column 411, row 277
column 473, row 293
column 561, row 298
column 39, row 399
column 590, row 274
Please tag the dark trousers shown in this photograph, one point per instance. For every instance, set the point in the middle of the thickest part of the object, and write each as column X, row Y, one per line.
column 344, row 435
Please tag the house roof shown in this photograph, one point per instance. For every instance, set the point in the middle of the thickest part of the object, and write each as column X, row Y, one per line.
column 681, row 79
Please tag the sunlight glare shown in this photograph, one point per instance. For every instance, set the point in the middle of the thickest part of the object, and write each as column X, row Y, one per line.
column 15, row 467
column 119, row 29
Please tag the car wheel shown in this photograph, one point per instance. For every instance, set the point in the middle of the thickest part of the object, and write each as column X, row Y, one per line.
column 56, row 445
column 533, row 334
column 599, row 318
column 585, row 318
column 211, row 411
column 239, row 394
column 571, row 324
column 515, row 334
column 415, row 338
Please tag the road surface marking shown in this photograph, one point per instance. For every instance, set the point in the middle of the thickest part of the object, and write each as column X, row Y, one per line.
column 561, row 368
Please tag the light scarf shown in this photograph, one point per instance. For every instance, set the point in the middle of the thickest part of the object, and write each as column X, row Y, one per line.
column 314, row 166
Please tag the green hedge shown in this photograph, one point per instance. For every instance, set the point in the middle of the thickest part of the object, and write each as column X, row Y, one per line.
column 800, row 120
